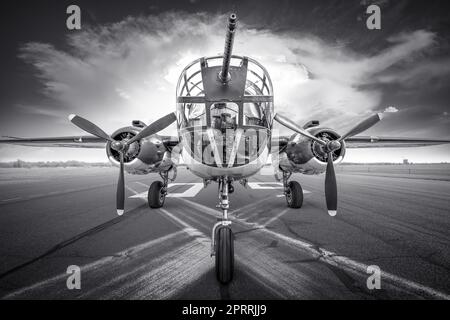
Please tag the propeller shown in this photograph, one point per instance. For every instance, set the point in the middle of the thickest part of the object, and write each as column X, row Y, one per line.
column 291, row 125
column 89, row 127
column 120, row 194
column 362, row 126
column 154, row 127
column 122, row 146
column 329, row 148
column 331, row 187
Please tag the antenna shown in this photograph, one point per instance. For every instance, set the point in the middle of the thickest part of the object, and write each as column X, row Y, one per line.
column 224, row 75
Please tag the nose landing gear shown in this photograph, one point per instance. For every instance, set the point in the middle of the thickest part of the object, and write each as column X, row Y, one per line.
column 222, row 245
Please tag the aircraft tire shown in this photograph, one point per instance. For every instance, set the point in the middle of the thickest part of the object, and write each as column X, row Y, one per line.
column 294, row 197
column 156, row 197
column 224, row 255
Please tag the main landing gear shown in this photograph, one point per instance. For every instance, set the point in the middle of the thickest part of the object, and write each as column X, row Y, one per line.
column 158, row 191
column 222, row 237
column 293, row 192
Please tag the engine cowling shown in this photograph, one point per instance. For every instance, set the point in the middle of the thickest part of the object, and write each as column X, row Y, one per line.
column 307, row 156
column 141, row 157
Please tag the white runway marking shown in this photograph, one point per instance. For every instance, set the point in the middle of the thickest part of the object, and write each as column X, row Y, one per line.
column 334, row 259
column 278, row 216
column 194, row 189
column 266, row 268
column 245, row 209
column 197, row 187
column 94, row 265
column 189, row 193
column 265, row 185
column 133, row 191
column 305, row 192
column 12, row 199
column 142, row 184
column 53, row 193
column 184, row 267
column 160, row 278
column 187, row 228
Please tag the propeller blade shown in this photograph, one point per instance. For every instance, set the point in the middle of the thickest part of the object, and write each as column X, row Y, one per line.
column 362, row 126
column 89, row 127
column 291, row 125
column 331, row 187
column 155, row 127
column 120, row 196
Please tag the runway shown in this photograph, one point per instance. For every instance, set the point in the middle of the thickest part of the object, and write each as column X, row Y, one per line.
column 51, row 219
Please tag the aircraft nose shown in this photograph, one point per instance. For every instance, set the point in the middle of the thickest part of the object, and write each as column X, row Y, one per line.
column 225, row 148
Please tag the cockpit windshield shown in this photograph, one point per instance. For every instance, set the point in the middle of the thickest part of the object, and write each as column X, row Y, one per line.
column 195, row 114
column 254, row 114
column 224, row 115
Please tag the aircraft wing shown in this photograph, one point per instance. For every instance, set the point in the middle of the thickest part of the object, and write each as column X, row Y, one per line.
column 67, row 142
column 375, row 142
column 390, row 142
column 91, row 142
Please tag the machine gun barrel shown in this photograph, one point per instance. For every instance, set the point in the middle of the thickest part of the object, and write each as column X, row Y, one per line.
column 224, row 75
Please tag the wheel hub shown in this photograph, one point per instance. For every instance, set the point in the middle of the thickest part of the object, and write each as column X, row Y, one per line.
column 289, row 195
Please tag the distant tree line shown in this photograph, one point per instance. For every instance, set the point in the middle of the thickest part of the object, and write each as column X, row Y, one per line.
column 52, row 164
column 385, row 163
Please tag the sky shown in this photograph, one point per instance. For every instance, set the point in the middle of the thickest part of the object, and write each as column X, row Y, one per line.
column 324, row 62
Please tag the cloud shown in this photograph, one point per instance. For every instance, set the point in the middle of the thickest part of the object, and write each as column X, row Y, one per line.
column 419, row 74
column 128, row 70
column 391, row 109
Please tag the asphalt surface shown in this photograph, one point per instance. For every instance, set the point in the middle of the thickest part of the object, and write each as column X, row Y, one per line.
column 51, row 219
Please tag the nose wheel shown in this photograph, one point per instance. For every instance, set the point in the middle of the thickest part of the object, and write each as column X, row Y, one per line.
column 224, row 252
column 222, row 245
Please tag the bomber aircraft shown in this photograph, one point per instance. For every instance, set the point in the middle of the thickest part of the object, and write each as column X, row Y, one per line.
column 224, row 117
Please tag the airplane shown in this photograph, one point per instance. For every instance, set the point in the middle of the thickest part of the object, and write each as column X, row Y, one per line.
column 225, row 117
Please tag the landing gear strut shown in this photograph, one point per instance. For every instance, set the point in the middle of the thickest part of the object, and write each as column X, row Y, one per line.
column 222, row 238
column 293, row 192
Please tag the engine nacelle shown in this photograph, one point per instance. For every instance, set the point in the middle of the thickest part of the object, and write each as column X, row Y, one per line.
column 144, row 156
column 307, row 156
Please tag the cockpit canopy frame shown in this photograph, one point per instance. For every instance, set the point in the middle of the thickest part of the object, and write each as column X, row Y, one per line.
column 201, row 93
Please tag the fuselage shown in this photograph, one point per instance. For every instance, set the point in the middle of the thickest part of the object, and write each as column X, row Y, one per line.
column 237, row 154
column 225, row 127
